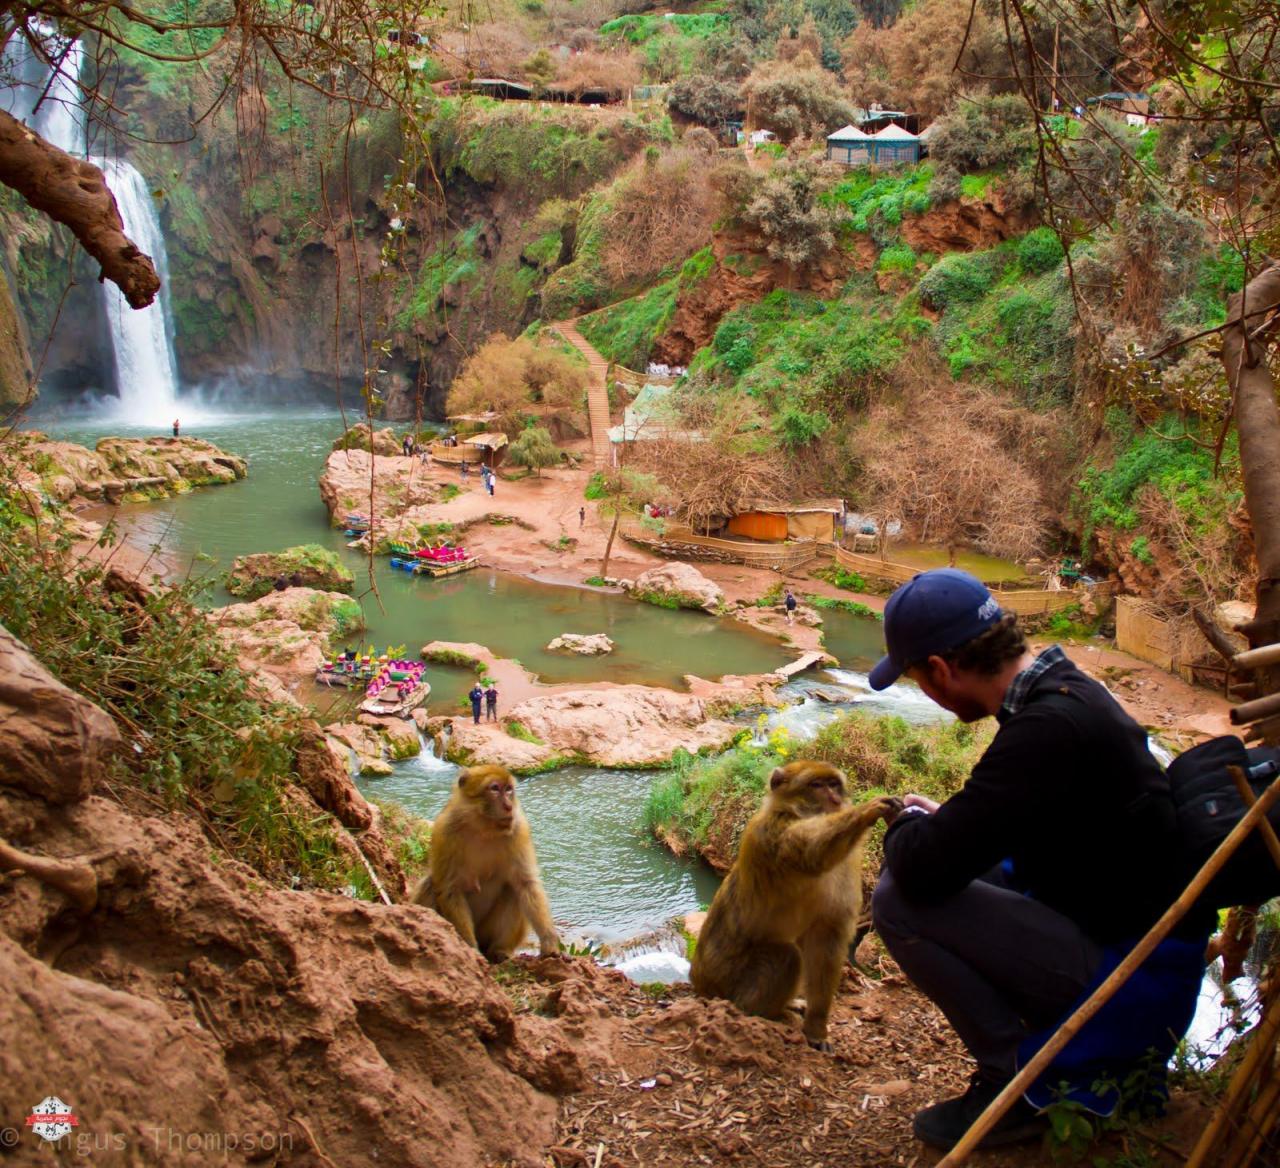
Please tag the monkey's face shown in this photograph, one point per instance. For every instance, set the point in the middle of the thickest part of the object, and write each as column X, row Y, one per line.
column 493, row 790
column 500, row 801
column 814, row 788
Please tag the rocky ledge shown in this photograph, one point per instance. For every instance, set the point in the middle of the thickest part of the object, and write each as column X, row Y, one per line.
column 396, row 483
column 314, row 566
column 286, row 634
column 118, row 469
column 621, row 726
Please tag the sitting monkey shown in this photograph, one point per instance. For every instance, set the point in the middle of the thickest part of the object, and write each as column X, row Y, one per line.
column 483, row 877
column 790, row 903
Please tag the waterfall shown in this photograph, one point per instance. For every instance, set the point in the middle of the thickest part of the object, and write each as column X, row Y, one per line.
column 146, row 372
column 141, row 339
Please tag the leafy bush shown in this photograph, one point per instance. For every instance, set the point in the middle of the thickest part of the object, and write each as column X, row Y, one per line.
column 702, row 805
column 534, row 448
column 196, row 731
column 1039, row 251
column 960, row 278
column 898, row 258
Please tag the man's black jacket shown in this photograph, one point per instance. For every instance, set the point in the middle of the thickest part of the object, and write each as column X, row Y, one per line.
column 1069, row 791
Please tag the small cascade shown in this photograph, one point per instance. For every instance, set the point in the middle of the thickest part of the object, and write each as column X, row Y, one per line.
column 141, row 339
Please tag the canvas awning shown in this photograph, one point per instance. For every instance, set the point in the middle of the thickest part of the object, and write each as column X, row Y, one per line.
column 492, row 441
column 847, row 134
column 892, row 133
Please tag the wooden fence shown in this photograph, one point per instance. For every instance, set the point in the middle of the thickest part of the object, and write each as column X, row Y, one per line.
column 1023, row 601
column 677, row 541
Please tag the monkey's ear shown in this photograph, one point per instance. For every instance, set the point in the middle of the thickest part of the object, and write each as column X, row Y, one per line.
column 778, row 777
column 462, row 776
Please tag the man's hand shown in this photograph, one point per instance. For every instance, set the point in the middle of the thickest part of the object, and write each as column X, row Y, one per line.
column 922, row 801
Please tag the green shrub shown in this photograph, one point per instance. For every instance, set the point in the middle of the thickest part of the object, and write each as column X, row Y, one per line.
column 1040, row 251
column 898, row 258
column 960, row 278
column 195, row 730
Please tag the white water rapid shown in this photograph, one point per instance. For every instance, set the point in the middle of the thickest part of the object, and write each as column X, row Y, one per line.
column 141, row 339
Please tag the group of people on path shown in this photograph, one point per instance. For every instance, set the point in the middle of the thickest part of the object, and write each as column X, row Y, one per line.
column 490, row 699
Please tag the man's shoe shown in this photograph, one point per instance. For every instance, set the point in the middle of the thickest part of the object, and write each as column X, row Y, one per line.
column 943, row 1124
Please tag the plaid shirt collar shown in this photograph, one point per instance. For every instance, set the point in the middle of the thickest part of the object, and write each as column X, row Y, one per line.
column 1015, row 696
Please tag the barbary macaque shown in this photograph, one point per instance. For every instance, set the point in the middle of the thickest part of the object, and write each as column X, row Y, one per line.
column 483, row 877
column 789, row 906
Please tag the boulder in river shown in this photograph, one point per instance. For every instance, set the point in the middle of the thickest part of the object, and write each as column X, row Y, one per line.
column 677, row 585
column 585, row 644
column 287, row 634
column 621, row 726
column 398, row 483
column 362, row 437
column 119, row 469
column 316, row 567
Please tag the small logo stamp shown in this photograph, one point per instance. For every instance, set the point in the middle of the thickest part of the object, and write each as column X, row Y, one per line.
column 51, row 1119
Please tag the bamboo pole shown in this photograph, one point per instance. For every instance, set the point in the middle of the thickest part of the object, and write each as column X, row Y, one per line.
column 1257, row 1122
column 1267, row 832
column 1068, row 1030
column 1263, row 1038
column 1257, row 658
column 1256, row 710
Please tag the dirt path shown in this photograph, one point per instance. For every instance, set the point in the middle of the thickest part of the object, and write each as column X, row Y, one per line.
column 597, row 391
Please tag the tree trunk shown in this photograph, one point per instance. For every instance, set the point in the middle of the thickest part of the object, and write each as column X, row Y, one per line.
column 1258, row 424
column 75, row 193
column 608, row 547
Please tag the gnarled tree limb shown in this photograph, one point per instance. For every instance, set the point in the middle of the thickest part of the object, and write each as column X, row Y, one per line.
column 74, row 192
column 76, row 881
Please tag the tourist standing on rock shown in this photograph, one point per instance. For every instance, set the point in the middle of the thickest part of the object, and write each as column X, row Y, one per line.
column 406, row 447
column 477, row 696
column 789, row 603
column 177, row 425
column 488, row 482
column 466, row 471
column 491, row 703
column 1008, row 902
column 582, row 518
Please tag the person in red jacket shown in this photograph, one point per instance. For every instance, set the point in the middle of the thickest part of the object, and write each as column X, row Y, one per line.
column 998, row 902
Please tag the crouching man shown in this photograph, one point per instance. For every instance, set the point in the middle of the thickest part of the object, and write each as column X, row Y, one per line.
column 998, row 903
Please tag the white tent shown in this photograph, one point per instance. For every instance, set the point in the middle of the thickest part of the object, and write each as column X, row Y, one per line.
column 847, row 134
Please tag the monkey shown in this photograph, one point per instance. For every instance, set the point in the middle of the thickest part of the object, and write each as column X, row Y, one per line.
column 483, row 875
column 789, row 906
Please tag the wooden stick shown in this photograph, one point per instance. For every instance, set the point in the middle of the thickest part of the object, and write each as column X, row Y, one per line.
column 1256, row 710
column 1267, row 832
column 1241, row 1084
column 1067, row 1031
column 1257, row 658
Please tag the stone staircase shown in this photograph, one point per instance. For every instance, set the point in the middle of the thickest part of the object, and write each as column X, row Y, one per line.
column 597, row 392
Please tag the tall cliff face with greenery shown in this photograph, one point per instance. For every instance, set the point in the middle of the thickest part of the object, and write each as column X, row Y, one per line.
column 915, row 340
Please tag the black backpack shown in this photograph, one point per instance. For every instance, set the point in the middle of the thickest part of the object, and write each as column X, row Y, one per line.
column 1208, row 806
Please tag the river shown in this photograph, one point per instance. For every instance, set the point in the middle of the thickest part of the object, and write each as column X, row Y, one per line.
column 603, row 879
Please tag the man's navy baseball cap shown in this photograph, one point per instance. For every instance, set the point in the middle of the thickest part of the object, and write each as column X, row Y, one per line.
column 931, row 614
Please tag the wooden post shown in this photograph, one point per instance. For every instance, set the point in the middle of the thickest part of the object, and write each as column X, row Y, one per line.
column 1071, row 1027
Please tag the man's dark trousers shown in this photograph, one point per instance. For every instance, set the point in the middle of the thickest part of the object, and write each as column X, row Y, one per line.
column 998, row 964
